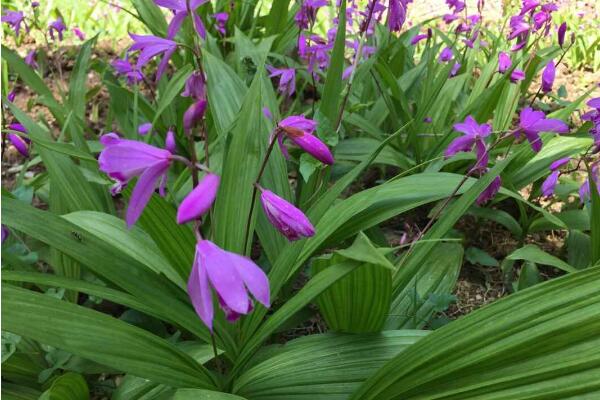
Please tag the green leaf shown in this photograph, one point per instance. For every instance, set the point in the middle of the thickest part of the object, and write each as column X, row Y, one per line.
column 11, row 391
column 319, row 367
column 579, row 248
column 475, row 256
column 499, row 216
column 540, row 343
column 332, row 91
column 79, row 78
column 595, row 217
column 528, row 276
column 151, row 16
column 196, row 394
column 70, row 386
column 412, row 308
column 173, row 89
column 277, row 18
column 134, row 242
column 106, row 261
column 310, row 291
column 359, row 302
column 100, row 338
column 534, row 254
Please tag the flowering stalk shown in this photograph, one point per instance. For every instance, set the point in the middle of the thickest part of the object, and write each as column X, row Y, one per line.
column 256, row 183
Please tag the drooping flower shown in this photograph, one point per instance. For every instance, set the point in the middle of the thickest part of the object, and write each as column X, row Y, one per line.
column 57, row 26
column 517, row 75
column 170, row 143
column 123, row 159
column 124, row 68
column 12, row 95
column 194, row 114
column 79, row 33
column 397, row 14
column 504, row 62
column 151, row 46
column 30, row 59
column 14, row 19
column 198, row 201
column 533, row 122
column 19, row 143
column 300, row 130
column 594, row 117
column 416, row 39
column 550, row 182
column 584, row 189
column 307, row 14
column 180, row 12
column 287, row 79
column 231, row 276
column 221, row 20
column 518, row 27
column 455, row 69
column 446, row 55
column 144, row 128
column 562, row 30
column 548, row 77
column 285, row 217
column 195, row 86
column 474, row 135
column 5, row 233
column 529, row 5
column 490, row 192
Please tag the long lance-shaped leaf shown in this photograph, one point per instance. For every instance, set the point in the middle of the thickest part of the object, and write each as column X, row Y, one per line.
column 100, row 338
column 540, row 343
column 328, row 366
column 105, row 260
column 595, row 221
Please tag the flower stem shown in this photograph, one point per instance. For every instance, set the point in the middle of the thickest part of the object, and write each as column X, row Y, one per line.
column 256, row 185
column 216, row 353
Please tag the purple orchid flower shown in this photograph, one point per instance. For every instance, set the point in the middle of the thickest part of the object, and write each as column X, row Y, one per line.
column 300, row 131
column 517, row 75
column 550, row 182
column 30, row 59
column 446, row 55
column 562, row 30
column 194, row 114
column 123, row 159
column 307, row 14
column 418, row 38
column 287, row 79
column 221, row 20
column 231, row 276
column 19, row 143
column 397, row 14
column 170, row 143
column 584, row 189
column 151, row 46
column 5, row 234
column 594, row 117
column 548, row 77
column 450, row 18
column 454, row 70
column 474, row 135
column 57, row 26
column 533, row 122
column 124, row 68
column 144, row 129
column 198, row 201
column 180, row 10
column 79, row 33
column 518, row 27
column 15, row 19
column 504, row 62
column 195, row 86
column 285, row 217
column 490, row 192
column 529, row 5
column 12, row 95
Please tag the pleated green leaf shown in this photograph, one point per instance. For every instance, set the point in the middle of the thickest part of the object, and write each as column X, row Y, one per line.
column 412, row 308
column 595, row 219
column 99, row 337
column 331, row 100
column 322, row 367
column 173, row 89
column 540, row 343
column 360, row 302
column 70, row 386
column 534, row 254
column 197, row 394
